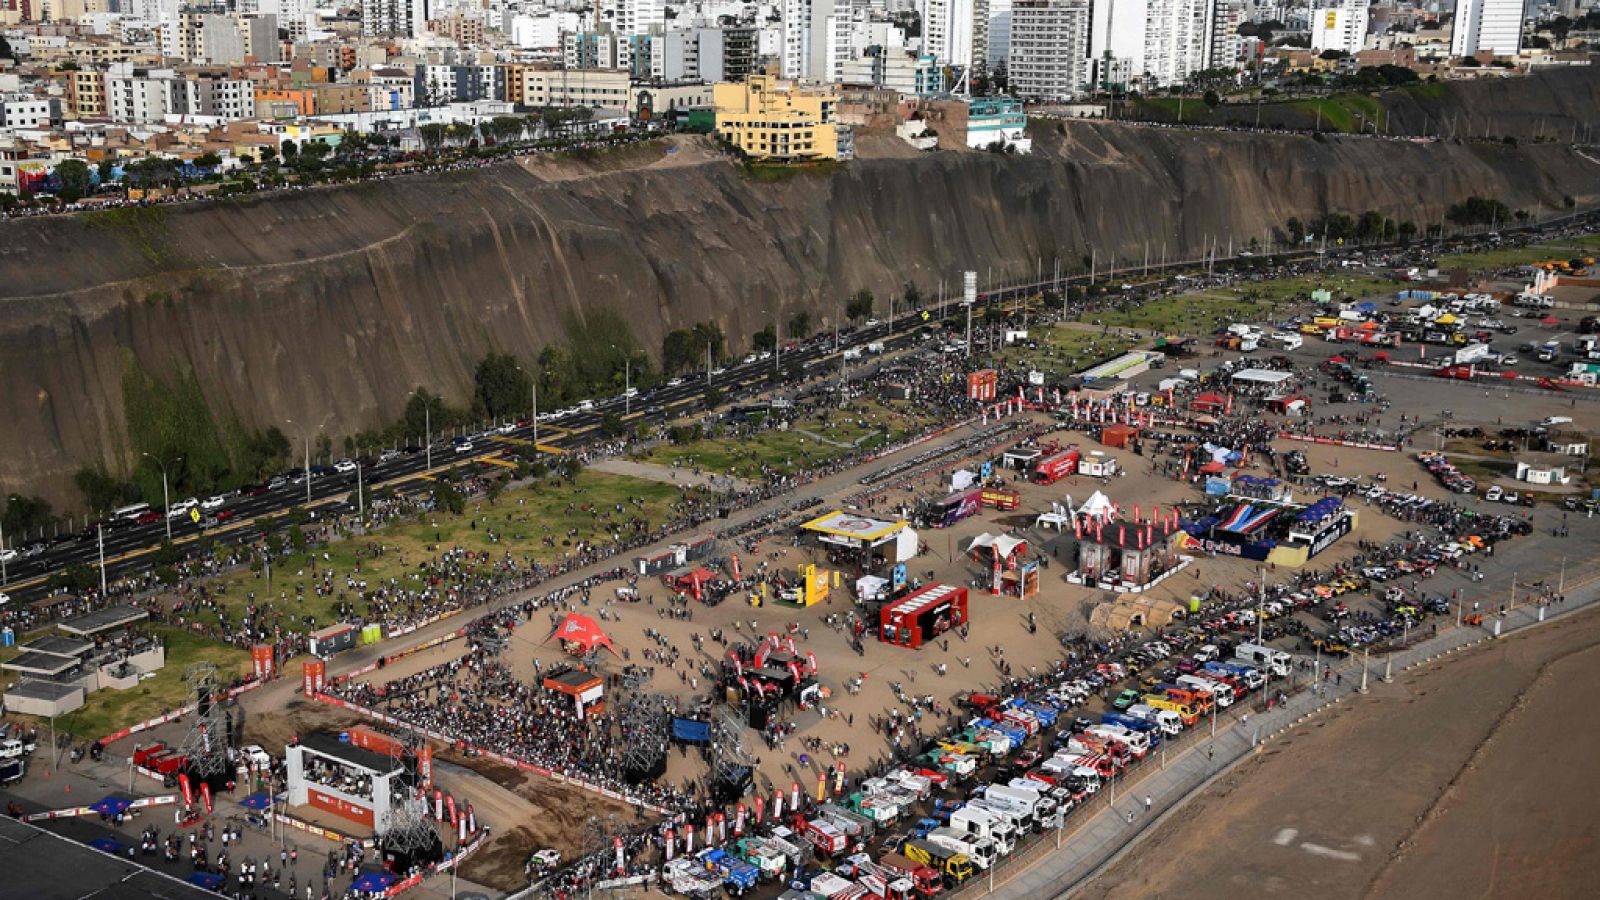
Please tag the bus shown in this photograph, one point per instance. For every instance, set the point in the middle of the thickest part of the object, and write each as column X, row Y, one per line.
column 131, row 512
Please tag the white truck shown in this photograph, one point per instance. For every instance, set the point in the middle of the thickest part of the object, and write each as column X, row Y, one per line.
column 1275, row 661
column 978, row 849
column 1020, row 824
column 1031, row 801
column 982, row 823
column 1219, row 692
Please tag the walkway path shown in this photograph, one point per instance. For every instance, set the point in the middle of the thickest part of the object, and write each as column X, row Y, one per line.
column 669, row 474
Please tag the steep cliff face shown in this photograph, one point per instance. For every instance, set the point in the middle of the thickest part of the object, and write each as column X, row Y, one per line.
column 328, row 306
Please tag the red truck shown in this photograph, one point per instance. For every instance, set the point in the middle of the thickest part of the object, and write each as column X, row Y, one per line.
column 1056, row 466
column 823, row 835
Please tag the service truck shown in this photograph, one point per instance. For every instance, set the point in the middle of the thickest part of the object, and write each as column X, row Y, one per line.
column 1165, row 719
column 984, row 823
column 955, row 867
column 853, row 824
column 828, row 839
column 737, row 875
column 924, row 878
column 835, row 887
column 980, row 850
column 1276, row 661
column 687, row 876
column 1221, row 693
column 1056, row 466
column 1249, row 676
column 757, row 852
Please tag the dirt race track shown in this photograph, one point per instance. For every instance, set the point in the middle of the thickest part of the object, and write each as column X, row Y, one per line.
column 1472, row 777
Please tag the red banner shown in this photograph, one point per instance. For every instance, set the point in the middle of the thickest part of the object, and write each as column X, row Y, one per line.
column 188, row 792
column 314, row 671
column 205, row 795
column 262, row 658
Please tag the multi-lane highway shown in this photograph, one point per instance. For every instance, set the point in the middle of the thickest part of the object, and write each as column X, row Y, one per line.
column 125, row 546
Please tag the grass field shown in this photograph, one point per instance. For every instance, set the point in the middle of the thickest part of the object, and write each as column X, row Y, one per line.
column 541, row 522
column 106, row 711
column 861, row 425
column 1582, row 246
column 1202, row 312
column 1064, row 349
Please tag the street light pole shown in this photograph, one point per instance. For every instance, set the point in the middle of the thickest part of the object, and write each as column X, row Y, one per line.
column 166, row 500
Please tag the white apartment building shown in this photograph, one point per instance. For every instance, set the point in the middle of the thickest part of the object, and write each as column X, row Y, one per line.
column 138, row 98
column 639, row 16
column 947, row 31
column 1049, row 52
column 1339, row 25
column 1487, row 25
column 28, row 111
column 395, row 18
column 1155, row 43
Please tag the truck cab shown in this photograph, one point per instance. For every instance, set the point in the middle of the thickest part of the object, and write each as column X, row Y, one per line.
column 980, row 850
column 955, row 867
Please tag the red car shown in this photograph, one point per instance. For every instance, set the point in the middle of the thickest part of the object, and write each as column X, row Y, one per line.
column 149, row 517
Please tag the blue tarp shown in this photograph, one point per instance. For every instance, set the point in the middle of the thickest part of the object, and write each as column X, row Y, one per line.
column 691, row 730
column 107, row 845
column 209, row 880
column 257, row 801
column 112, row 805
column 373, row 882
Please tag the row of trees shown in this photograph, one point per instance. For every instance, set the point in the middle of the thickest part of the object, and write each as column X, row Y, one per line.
column 1369, row 226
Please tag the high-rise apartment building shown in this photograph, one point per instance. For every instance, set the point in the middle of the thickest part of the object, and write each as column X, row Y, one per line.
column 1049, row 50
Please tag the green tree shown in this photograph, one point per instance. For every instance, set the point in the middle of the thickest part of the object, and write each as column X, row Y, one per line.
column 290, row 149
column 765, row 339
column 500, row 386
column 1296, row 230
column 713, row 396
column 611, row 426
column 208, row 160
column 1212, row 99
column 448, row 498
column 679, row 351
column 101, row 491
column 1407, row 231
column 860, row 305
column 494, row 489
column 800, row 325
column 911, row 296
column 23, row 514
column 74, row 177
column 708, row 334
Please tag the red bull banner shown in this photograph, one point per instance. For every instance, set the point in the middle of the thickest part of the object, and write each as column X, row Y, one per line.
column 263, row 661
column 314, row 673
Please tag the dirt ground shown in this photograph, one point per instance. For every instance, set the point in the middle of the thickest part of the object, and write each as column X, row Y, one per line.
column 525, row 812
column 1469, row 777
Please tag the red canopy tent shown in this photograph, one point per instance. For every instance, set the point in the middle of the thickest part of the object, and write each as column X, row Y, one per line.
column 582, row 632
column 1210, row 402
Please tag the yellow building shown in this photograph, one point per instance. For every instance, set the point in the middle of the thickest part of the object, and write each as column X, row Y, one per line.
column 772, row 119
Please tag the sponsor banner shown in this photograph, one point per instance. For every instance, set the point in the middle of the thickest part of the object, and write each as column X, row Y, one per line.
column 319, row 831
column 1335, row 442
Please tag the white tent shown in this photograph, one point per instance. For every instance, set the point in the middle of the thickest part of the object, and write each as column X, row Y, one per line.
column 1002, row 544
column 1098, row 506
column 1059, row 520
column 871, row 587
column 962, row 479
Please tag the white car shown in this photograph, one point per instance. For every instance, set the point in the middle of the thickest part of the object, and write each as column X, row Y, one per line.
column 1508, row 360
column 182, row 507
column 719, row 371
column 214, row 502
column 750, row 359
column 345, row 466
column 4, row 599
column 676, row 382
column 256, row 755
column 872, row 323
column 507, row 428
column 388, row 455
column 464, row 447
column 764, row 355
